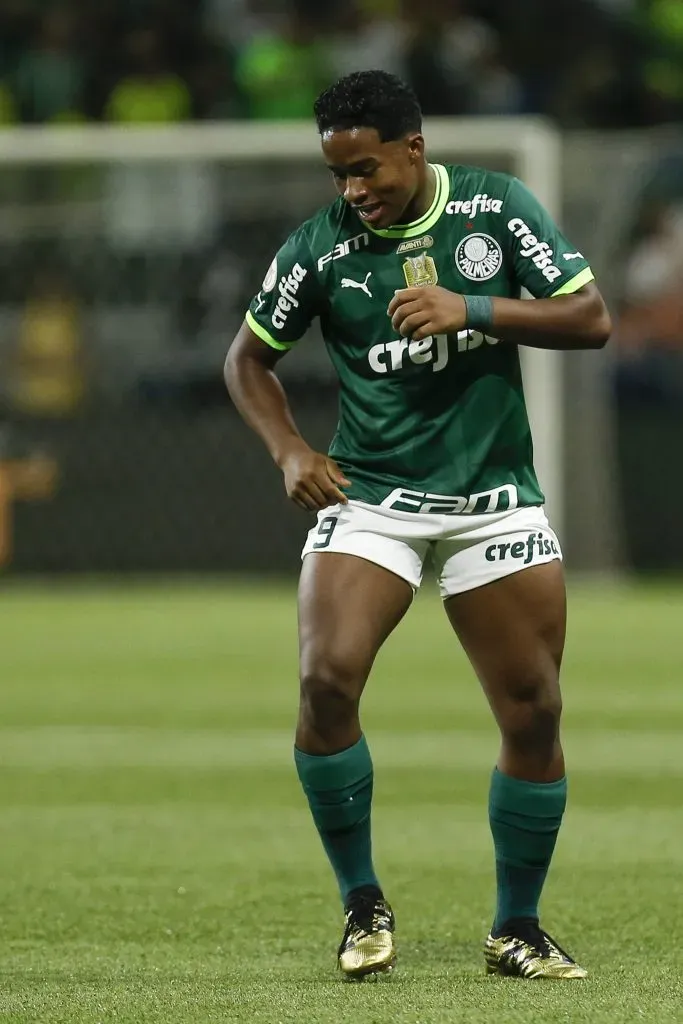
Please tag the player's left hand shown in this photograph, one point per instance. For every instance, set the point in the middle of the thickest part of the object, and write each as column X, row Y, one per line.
column 417, row 313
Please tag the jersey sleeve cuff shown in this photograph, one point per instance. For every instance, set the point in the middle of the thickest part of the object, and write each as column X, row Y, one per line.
column 263, row 334
column 582, row 278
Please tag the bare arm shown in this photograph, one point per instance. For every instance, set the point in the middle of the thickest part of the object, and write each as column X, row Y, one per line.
column 577, row 321
column 311, row 479
column 257, row 393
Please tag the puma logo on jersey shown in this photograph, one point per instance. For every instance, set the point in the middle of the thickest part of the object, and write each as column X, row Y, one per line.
column 572, row 256
column 347, row 282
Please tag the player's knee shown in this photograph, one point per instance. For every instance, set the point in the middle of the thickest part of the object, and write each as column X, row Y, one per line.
column 531, row 718
column 330, row 694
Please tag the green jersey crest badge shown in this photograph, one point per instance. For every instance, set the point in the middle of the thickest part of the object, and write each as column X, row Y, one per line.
column 420, row 271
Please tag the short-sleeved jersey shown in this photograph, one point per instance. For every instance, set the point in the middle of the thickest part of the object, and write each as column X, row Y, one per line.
column 439, row 424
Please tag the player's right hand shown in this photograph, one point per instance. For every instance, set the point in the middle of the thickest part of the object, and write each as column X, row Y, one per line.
column 313, row 480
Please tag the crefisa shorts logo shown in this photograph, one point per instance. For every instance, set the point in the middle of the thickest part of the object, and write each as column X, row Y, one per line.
column 270, row 280
column 479, row 257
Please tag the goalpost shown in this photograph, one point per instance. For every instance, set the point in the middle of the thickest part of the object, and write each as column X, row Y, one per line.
column 526, row 147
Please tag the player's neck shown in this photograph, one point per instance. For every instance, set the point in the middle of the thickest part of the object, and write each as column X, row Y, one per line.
column 423, row 198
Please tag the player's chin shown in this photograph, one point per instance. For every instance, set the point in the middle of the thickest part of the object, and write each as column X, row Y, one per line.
column 377, row 215
column 388, row 217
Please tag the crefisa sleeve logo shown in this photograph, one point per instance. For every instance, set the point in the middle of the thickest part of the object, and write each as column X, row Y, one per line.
column 478, row 257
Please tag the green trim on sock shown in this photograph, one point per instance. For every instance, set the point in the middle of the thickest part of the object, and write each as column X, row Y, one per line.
column 339, row 792
column 525, row 819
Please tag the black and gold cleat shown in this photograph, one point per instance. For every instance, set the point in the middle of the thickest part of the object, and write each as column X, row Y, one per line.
column 523, row 950
column 367, row 946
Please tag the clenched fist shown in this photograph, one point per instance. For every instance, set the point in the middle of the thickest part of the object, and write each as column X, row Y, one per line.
column 417, row 313
column 312, row 480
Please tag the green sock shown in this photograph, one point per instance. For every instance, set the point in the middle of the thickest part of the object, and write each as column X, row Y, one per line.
column 525, row 818
column 339, row 791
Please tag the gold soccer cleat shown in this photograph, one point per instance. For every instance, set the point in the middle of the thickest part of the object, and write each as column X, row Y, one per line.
column 530, row 953
column 367, row 946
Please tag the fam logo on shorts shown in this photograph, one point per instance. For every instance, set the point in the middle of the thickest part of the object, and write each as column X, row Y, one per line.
column 536, row 545
column 479, row 257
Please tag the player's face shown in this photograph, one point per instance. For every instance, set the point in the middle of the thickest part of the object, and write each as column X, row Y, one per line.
column 381, row 180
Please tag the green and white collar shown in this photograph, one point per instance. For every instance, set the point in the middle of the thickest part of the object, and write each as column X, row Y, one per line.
column 428, row 219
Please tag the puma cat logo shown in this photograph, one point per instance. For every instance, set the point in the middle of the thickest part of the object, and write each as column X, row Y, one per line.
column 347, row 282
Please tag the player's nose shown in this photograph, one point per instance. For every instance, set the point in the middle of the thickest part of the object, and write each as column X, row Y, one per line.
column 355, row 191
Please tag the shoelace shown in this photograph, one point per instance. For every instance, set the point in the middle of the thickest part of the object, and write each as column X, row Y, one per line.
column 364, row 913
column 539, row 940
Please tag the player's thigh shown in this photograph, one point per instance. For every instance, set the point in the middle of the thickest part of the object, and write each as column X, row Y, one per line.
column 348, row 606
column 513, row 630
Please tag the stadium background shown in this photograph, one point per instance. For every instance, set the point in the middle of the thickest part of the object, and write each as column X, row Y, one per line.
column 154, row 843
column 122, row 285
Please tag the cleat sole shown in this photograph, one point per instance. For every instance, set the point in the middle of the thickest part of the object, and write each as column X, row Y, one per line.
column 371, row 973
column 494, row 971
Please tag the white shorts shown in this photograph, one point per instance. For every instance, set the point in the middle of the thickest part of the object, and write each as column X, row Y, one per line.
column 467, row 551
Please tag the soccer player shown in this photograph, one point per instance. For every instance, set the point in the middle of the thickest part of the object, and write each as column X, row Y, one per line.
column 415, row 272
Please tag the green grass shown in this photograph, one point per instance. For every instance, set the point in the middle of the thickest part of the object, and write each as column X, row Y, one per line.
column 159, row 865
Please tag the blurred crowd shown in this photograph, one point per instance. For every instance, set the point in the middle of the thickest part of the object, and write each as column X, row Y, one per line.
column 593, row 63
column 648, row 340
column 585, row 63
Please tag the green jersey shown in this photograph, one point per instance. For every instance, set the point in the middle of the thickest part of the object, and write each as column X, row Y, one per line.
column 438, row 424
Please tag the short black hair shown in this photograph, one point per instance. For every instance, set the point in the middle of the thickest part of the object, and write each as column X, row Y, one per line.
column 369, row 99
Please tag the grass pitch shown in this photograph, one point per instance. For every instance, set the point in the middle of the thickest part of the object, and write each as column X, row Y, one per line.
column 157, row 859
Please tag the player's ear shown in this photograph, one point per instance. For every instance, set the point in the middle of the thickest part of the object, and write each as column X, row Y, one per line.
column 416, row 147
